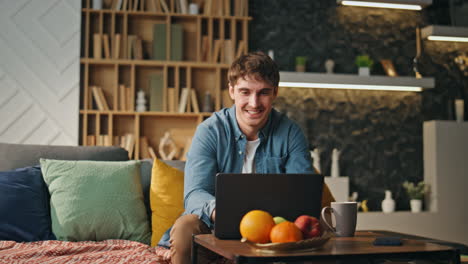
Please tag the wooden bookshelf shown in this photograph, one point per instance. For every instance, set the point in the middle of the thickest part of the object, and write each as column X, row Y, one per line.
column 123, row 52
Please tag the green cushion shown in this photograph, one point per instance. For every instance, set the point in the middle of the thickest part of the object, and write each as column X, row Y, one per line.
column 96, row 200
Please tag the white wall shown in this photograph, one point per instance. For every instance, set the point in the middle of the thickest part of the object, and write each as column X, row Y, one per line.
column 446, row 170
column 39, row 71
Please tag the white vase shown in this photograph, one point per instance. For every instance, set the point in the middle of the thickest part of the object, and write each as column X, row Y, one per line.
column 388, row 205
column 416, row 205
column 364, row 71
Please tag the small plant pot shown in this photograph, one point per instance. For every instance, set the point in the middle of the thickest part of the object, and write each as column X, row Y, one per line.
column 364, row 71
column 416, row 205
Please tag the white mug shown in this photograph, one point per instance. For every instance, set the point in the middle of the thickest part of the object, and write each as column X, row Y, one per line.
column 345, row 215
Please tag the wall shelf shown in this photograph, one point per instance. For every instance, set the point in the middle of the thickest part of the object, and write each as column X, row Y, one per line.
column 353, row 81
column 445, row 33
column 393, row 4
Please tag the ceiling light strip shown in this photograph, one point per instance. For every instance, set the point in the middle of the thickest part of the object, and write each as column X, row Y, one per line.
column 381, row 5
column 351, row 86
column 446, row 38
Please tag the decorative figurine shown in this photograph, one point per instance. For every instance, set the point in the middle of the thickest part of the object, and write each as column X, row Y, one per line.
column 167, row 141
column 140, row 102
column 315, row 155
column 329, row 65
column 335, row 167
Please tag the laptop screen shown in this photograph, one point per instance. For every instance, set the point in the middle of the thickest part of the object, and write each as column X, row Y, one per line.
column 286, row 195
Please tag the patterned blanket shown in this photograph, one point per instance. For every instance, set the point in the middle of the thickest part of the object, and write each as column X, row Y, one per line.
column 108, row 251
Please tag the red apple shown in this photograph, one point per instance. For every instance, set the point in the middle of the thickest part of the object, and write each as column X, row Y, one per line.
column 309, row 226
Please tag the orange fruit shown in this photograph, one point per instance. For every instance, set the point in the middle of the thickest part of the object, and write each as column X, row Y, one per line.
column 256, row 225
column 285, row 232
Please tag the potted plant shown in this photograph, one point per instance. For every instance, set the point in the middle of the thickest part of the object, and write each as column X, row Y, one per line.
column 416, row 194
column 364, row 63
column 301, row 63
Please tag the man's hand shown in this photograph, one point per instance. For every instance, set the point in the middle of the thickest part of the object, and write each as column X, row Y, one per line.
column 213, row 216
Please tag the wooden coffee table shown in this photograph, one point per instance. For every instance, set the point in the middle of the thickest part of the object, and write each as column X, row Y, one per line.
column 337, row 248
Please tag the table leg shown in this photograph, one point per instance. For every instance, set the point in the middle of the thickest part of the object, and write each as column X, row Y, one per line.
column 194, row 251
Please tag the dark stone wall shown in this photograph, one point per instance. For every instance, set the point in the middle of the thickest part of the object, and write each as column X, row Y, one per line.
column 379, row 133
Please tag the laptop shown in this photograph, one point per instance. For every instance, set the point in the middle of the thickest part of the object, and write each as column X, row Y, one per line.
column 286, row 195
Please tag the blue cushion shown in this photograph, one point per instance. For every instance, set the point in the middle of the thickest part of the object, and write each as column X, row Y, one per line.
column 24, row 206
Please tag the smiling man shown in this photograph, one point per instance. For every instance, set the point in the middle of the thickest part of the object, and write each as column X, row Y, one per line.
column 248, row 137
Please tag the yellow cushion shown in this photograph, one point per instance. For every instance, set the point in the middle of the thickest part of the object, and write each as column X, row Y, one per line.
column 166, row 198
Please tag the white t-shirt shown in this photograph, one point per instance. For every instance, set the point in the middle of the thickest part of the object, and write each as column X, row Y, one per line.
column 250, row 149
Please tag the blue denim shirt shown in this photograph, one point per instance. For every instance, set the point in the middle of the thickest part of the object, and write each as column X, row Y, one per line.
column 219, row 146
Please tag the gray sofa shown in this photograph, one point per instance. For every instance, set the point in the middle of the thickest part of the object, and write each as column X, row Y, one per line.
column 13, row 156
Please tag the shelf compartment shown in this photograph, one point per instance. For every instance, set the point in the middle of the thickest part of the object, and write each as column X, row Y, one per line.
column 181, row 128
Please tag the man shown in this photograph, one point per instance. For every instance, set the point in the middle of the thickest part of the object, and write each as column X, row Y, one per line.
column 248, row 137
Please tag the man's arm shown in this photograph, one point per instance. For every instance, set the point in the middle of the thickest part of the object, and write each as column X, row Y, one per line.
column 299, row 160
column 200, row 171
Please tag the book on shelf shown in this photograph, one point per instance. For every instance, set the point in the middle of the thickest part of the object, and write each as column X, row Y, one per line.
column 164, row 6
column 177, row 42
column 142, row 5
column 97, row 46
column 207, row 10
column 194, row 101
column 144, row 152
column 135, row 5
column 116, row 4
column 227, row 7
column 171, row 105
column 159, row 41
column 217, row 7
column 183, row 100
column 156, row 99
column 105, row 40
column 240, row 7
column 131, row 46
column 116, row 51
column 129, row 144
column 103, row 140
column 103, row 98
column 129, row 99
column 183, row 6
column 122, row 94
column 90, row 140
column 138, row 48
column 124, row 5
column 228, row 51
column 151, row 6
column 217, row 50
column 205, row 48
column 241, row 48
column 99, row 98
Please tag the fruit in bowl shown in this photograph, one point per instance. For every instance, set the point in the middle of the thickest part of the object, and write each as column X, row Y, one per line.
column 285, row 231
column 256, row 225
column 278, row 219
column 309, row 226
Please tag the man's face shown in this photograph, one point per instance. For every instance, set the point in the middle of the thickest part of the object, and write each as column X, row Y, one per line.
column 253, row 99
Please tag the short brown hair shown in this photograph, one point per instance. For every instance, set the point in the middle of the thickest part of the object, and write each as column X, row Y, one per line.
column 256, row 65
